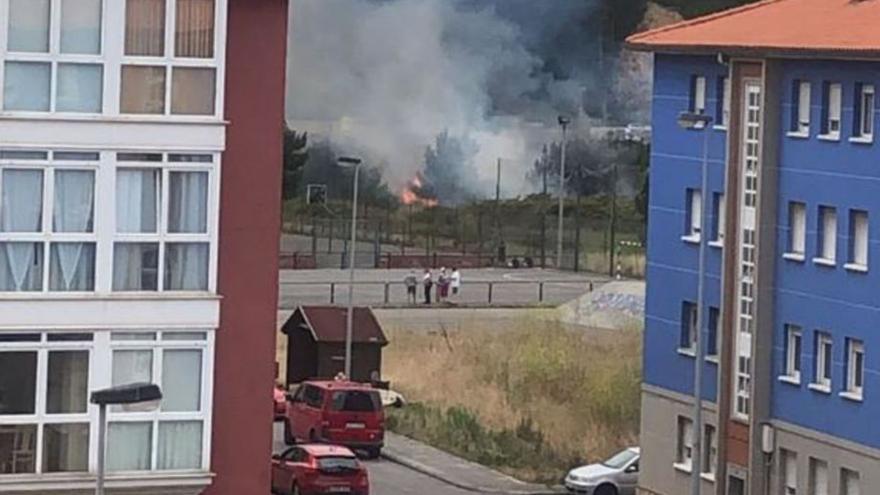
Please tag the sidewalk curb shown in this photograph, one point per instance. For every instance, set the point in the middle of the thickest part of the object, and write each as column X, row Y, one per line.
column 433, row 473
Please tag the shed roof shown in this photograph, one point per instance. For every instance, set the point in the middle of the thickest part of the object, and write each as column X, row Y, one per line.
column 835, row 28
column 327, row 324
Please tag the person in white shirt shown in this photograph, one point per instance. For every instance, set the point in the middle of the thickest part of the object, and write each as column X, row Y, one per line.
column 456, row 281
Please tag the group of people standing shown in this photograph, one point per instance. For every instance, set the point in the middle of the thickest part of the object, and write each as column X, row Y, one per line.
column 445, row 282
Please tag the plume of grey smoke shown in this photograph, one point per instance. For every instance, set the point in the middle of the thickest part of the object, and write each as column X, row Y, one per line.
column 384, row 78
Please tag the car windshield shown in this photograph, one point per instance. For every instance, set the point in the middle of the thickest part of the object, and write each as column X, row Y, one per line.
column 620, row 460
column 337, row 464
column 356, row 401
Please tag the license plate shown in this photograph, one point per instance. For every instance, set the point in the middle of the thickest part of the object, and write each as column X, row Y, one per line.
column 339, row 489
column 355, row 426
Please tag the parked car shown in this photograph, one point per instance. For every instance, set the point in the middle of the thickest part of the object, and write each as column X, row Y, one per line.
column 390, row 398
column 317, row 469
column 338, row 412
column 619, row 475
column 280, row 403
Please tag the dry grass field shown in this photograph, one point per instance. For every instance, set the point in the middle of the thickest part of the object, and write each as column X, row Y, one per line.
column 530, row 400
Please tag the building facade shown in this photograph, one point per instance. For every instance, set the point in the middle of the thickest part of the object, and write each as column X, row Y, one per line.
column 789, row 314
column 139, row 214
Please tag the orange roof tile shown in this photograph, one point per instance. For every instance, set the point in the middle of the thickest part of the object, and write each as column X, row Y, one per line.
column 826, row 27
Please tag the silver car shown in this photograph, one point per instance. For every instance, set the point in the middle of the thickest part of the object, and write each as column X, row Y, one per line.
column 618, row 475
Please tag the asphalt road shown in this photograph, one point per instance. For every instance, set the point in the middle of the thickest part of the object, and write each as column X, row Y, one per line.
column 388, row 478
column 509, row 286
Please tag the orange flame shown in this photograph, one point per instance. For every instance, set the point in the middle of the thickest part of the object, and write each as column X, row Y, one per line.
column 410, row 196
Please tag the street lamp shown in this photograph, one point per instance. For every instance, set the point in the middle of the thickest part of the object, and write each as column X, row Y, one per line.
column 696, row 121
column 350, row 162
column 135, row 396
column 563, row 122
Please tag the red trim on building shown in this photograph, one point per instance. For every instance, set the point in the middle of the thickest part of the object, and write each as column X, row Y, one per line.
column 250, row 219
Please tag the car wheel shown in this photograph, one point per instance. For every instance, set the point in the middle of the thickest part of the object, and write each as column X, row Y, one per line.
column 606, row 489
column 374, row 452
column 288, row 434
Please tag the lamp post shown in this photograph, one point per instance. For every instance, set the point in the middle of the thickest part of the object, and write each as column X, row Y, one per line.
column 695, row 121
column 355, row 163
column 563, row 122
column 136, row 396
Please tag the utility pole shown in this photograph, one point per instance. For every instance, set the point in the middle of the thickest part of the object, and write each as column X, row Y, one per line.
column 563, row 121
column 613, row 228
column 577, row 232
column 498, row 232
column 543, row 221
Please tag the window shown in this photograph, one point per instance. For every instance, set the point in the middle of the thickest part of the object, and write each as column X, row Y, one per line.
column 150, row 64
column 850, row 484
column 827, row 235
column 43, row 403
column 822, row 380
column 39, row 230
column 170, row 438
column 789, row 481
column 694, row 214
column 833, row 95
column 818, row 477
column 864, row 113
column 54, row 58
column 698, row 95
column 162, row 240
column 688, row 327
column 797, row 229
column 793, row 343
column 858, row 240
column 855, row 367
column 685, row 443
column 722, row 109
column 800, row 108
column 710, row 451
column 712, row 344
column 719, row 225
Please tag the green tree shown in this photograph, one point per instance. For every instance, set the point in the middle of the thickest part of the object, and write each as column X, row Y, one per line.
column 295, row 158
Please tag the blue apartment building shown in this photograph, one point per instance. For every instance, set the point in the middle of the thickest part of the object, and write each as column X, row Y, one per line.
column 791, row 313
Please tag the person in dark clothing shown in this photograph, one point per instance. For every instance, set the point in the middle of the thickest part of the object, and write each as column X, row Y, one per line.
column 428, row 282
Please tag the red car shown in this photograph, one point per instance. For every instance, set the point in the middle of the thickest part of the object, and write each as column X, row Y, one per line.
column 280, row 403
column 312, row 469
column 337, row 412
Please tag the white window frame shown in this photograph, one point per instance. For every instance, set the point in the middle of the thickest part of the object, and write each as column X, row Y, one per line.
column 802, row 110
column 794, row 342
column 723, row 120
column 788, row 479
column 158, row 347
column 720, row 202
column 694, row 215
column 684, row 444
column 46, row 236
column 855, row 376
column 710, row 452
column 699, row 96
column 162, row 237
column 827, row 248
column 797, row 231
column 819, row 485
column 689, row 326
column 41, row 417
column 847, row 478
column 859, row 242
column 824, row 355
column 169, row 61
column 834, row 120
column 54, row 57
column 100, row 350
column 866, row 103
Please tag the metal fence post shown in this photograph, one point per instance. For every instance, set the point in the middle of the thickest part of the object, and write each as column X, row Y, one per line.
column 387, row 292
column 332, row 293
column 491, row 286
column 541, row 292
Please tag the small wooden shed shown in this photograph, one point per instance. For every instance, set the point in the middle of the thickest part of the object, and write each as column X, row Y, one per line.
column 316, row 343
